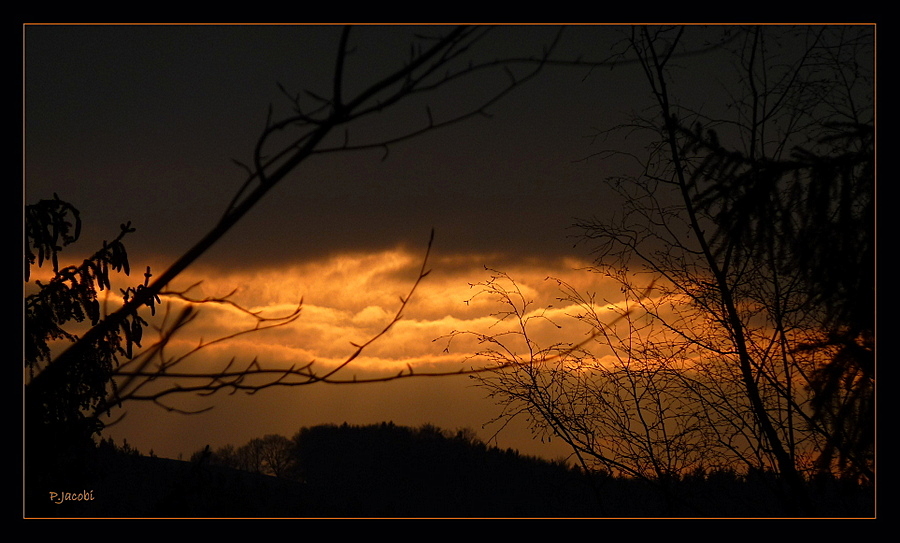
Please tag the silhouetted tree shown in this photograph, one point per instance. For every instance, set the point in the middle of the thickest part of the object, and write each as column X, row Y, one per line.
column 269, row 455
column 785, row 224
column 61, row 418
column 745, row 254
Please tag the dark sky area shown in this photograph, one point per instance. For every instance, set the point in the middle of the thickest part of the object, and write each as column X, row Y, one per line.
column 142, row 123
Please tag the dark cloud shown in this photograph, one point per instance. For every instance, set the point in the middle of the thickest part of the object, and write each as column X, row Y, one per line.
column 142, row 123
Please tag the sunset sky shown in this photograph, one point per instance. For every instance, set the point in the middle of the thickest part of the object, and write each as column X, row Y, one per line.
column 145, row 123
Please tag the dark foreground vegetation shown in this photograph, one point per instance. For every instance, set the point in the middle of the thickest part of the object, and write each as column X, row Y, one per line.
column 393, row 471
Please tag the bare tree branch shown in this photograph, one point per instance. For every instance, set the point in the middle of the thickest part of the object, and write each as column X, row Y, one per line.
column 410, row 80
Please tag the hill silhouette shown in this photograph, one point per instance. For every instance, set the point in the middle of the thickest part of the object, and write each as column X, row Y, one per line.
column 389, row 470
column 385, row 470
column 380, row 470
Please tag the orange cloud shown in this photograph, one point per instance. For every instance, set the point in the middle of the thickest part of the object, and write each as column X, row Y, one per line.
column 349, row 298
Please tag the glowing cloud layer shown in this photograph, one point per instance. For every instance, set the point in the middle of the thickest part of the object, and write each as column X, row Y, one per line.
column 348, row 299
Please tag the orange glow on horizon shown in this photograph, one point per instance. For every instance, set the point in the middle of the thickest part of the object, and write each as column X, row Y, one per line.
column 348, row 299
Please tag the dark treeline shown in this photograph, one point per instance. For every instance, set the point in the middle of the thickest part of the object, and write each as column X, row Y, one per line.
column 385, row 470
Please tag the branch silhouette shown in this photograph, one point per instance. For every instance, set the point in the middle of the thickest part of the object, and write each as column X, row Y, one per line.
column 428, row 69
